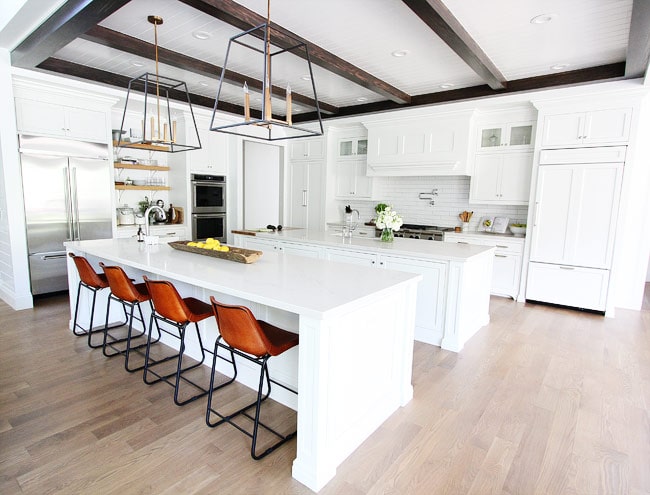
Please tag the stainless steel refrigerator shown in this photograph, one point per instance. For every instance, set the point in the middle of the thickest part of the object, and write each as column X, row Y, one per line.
column 67, row 194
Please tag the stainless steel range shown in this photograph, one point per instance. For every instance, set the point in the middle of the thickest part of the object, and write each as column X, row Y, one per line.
column 427, row 232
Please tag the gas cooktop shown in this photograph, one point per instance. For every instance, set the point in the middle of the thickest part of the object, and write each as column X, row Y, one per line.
column 429, row 232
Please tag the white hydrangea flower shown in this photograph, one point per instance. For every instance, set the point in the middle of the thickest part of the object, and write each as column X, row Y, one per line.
column 389, row 219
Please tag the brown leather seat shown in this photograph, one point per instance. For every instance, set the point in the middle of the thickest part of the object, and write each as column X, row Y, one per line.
column 94, row 282
column 256, row 341
column 178, row 312
column 130, row 295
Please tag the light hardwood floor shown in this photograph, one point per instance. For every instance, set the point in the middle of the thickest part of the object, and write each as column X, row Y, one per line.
column 541, row 401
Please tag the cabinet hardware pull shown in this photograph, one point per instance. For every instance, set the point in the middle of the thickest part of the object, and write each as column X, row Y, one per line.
column 567, row 268
column 463, row 242
column 500, row 256
column 503, row 247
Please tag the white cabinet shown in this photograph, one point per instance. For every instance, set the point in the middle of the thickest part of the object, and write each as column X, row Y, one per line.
column 598, row 127
column 212, row 158
column 434, row 146
column 293, row 248
column 306, row 149
column 37, row 117
column 306, row 194
column 576, row 206
column 356, row 147
column 349, row 256
column 568, row 285
column 575, row 214
column 501, row 178
column 430, row 308
column 256, row 243
column 507, row 136
column 352, row 181
column 506, row 269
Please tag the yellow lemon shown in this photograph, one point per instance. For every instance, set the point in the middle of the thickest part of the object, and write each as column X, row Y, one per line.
column 209, row 240
column 225, row 249
column 216, row 248
column 191, row 244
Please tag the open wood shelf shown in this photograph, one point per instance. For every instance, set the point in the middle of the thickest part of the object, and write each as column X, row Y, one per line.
column 142, row 146
column 121, row 187
column 135, row 166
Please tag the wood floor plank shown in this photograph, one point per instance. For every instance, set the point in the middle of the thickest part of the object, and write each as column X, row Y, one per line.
column 542, row 400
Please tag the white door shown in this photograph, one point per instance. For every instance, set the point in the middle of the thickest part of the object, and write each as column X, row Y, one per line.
column 563, row 129
column 516, row 169
column 485, row 181
column 262, row 185
column 575, row 214
column 552, row 213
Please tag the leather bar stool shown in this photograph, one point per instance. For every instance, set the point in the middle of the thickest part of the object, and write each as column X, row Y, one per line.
column 129, row 295
column 169, row 307
column 94, row 282
column 255, row 340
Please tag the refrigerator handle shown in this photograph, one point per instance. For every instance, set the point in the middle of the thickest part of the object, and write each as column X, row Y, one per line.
column 68, row 203
column 76, row 228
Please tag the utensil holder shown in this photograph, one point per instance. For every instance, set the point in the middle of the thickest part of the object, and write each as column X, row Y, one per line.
column 465, row 226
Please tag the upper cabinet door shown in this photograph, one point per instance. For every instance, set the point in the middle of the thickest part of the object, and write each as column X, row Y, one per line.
column 49, row 119
column 607, row 126
column 610, row 126
column 506, row 137
column 306, row 149
column 563, row 129
column 352, row 148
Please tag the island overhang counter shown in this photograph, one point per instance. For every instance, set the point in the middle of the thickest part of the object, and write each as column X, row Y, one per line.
column 354, row 362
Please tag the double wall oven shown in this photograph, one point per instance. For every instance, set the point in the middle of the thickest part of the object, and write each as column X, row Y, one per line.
column 209, row 207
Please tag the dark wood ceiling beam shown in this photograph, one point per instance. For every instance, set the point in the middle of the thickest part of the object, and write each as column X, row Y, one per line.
column 244, row 19
column 439, row 18
column 135, row 46
column 638, row 45
column 569, row 78
column 72, row 19
column 120, row 81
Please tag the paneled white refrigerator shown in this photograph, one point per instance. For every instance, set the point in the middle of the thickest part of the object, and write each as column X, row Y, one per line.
column 67, row 194
column 574, row 224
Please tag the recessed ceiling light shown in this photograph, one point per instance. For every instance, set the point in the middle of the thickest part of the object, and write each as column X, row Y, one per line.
column 543, row 18
column 560, row 66
column 297, row 109
column 400, row 53
column 135, row 63
column 203, row 83
column 446, row 85
column 362, row 99
column 306, row 77
column 201, row 35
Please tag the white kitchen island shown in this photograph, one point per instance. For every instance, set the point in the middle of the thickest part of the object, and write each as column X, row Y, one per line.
column 454, row 295
column 354, row 362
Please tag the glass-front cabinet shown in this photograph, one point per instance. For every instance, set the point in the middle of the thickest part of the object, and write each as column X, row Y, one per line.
column 353, row 147
column 514, row 136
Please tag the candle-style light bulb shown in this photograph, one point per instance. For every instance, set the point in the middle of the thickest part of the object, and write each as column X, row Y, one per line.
column 289, row 119
column 247, row 103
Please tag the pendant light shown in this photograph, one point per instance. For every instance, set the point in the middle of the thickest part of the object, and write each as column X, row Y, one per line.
column 157, row 127
column 269, row 115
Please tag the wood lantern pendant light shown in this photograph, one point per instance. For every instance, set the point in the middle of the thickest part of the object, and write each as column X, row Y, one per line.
column 289, row 57
column 155, row 124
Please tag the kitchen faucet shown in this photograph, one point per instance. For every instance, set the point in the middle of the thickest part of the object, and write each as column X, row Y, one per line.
column 146, row 217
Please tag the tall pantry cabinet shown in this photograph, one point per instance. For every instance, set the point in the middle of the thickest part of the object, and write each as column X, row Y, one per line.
column 576, row 207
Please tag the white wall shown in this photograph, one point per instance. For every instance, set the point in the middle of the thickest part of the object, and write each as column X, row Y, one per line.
column 14, row 271
column 453, row 198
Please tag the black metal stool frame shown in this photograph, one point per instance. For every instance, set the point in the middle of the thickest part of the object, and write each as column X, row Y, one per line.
column 261, row 397
column 129, row 336
column 178, row 374
column 90, row 331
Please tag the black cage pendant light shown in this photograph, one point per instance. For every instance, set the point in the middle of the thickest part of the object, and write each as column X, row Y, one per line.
column 157, row 128
column 264, row 99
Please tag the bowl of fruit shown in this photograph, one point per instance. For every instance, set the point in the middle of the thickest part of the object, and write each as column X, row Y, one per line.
column 518, row 229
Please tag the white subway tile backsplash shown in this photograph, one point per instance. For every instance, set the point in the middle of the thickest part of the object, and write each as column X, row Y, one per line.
column 451, row 199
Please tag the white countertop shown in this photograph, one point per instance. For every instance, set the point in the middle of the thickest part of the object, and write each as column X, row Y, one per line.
column 432, row 250
column 486, row 235
column 316, row 288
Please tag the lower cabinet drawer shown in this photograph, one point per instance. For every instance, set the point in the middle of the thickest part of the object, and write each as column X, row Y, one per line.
column 568, row 285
